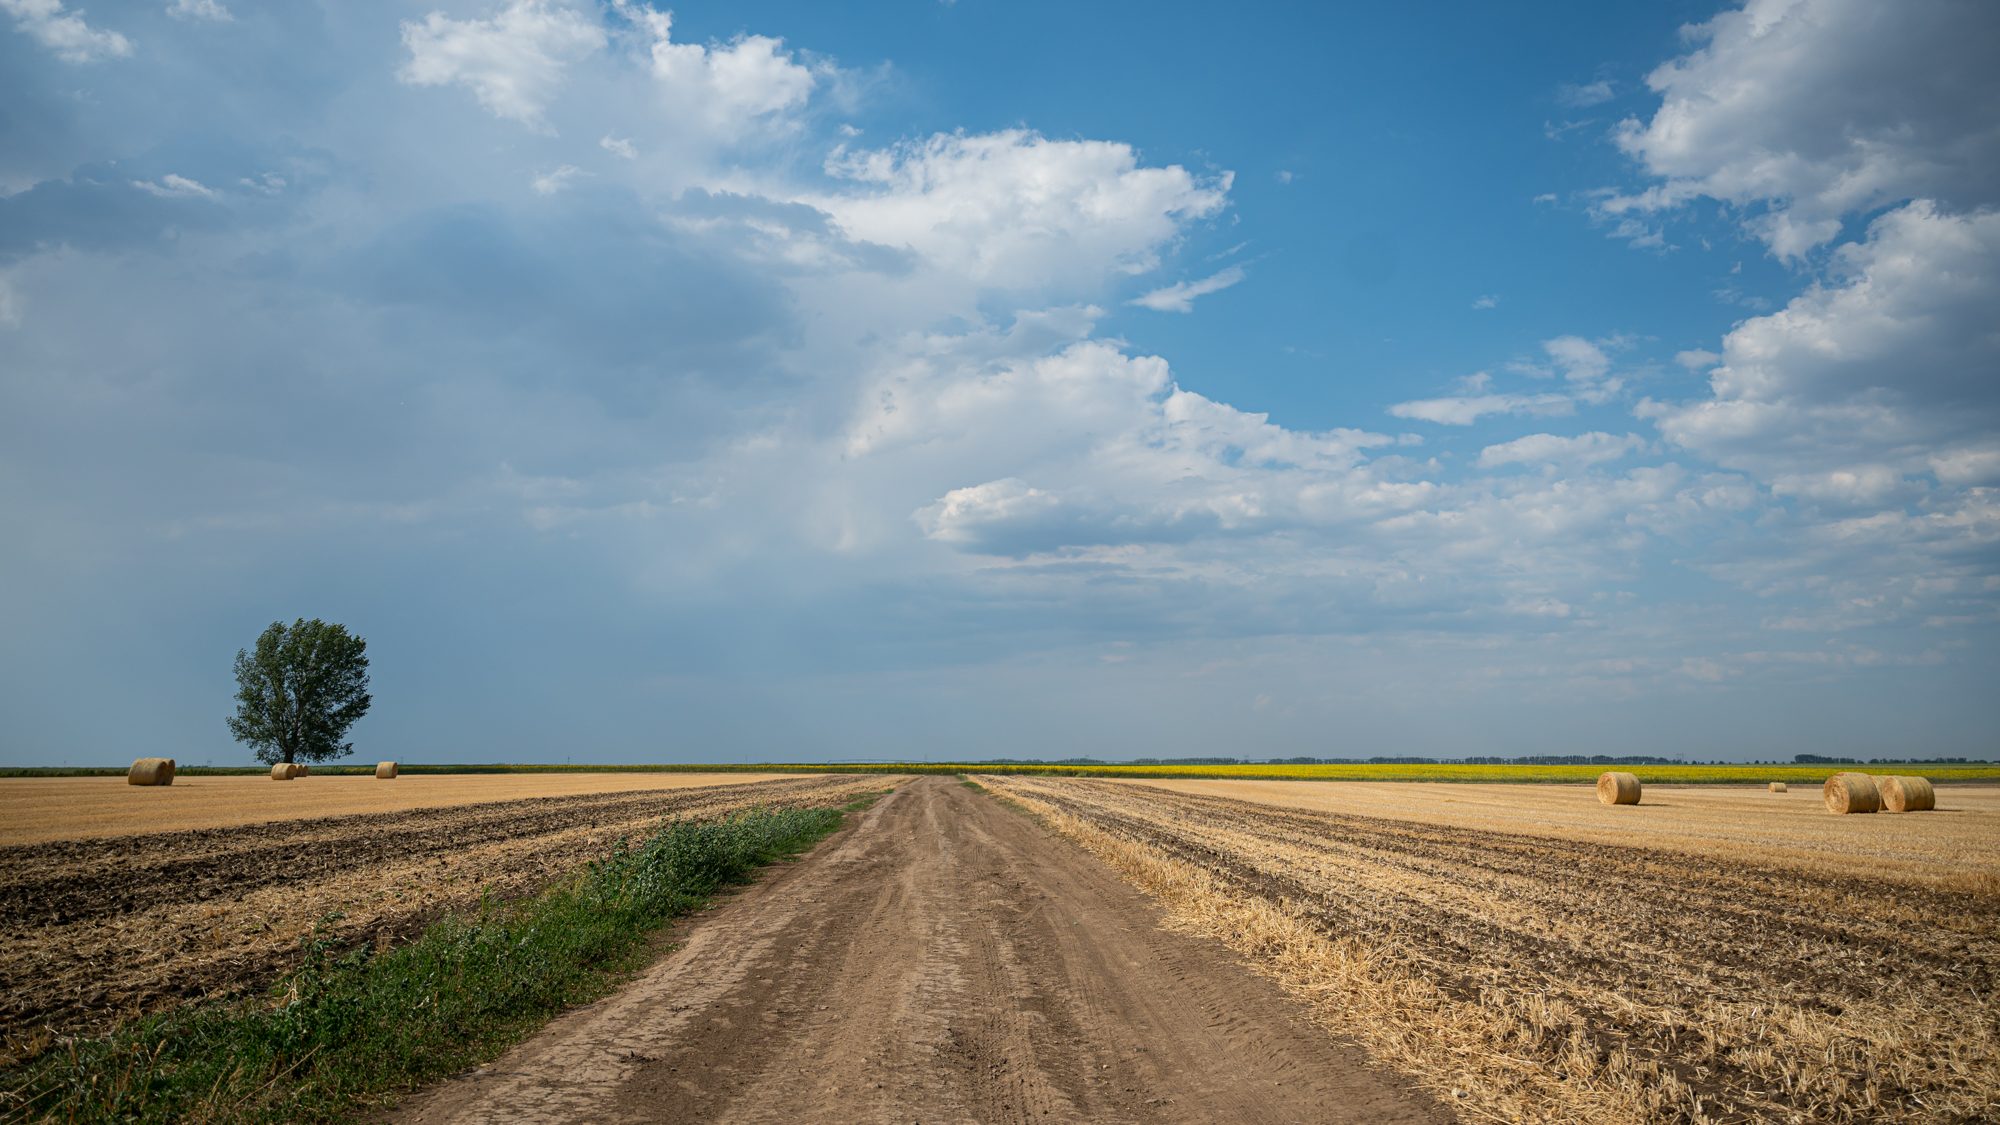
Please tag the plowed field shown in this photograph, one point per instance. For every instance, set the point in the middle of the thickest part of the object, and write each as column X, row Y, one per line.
column 38, row 809
column 94, row 930
column 1536, row 976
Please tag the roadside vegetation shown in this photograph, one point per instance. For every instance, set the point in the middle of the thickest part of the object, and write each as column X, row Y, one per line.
column 352, row 1026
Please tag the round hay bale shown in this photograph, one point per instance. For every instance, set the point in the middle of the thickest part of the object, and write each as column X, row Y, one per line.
column 151, row 771
column 1907, row 794
column 304, row 769
column 385, row 771
column 1851, row 793
column 1615, row 788
column 284, row 771
column 1778, row 787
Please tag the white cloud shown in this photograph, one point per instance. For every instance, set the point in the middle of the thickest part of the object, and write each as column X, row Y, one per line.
column 1467, row 409
column 728, row 85
column 1696, row 359
column 172, row 186
column 1889, row 364
column 513, row 61
column 210, row 10
column 1488, row 301
column 1014, row 209
column 1550, row 449
column 1587, row 94
column 619, row 147
column 1579, row 360
column 64, row 32
column 1584, row 364
column 549, row 183
column 1823, row 109
column 1180, row 296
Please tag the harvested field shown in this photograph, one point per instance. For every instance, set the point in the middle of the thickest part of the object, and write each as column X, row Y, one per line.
column 1957, row 845
column 38, row 809
column 94, row 930
column 1542, row 965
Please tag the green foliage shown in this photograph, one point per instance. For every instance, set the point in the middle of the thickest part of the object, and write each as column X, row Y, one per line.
column 299, row 691
column 350, row 1027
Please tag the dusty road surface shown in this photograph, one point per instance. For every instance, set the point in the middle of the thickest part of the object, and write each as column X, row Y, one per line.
column 946, row 959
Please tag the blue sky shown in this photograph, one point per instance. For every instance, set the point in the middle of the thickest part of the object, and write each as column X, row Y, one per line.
column 958, row 380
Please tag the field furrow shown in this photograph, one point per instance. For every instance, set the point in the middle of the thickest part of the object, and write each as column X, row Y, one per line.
column 93, row 931
column 1558, row 979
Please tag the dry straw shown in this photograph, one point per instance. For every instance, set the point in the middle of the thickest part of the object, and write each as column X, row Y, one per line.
column 1777, row 787
column 1617, row 788
column 1851, row 793
column 284, row 771
column 151, row 771
column 1906, row 794
column 385, row 771
column 304, row 769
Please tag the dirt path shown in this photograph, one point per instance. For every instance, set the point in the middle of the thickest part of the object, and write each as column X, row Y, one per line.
column 946, row 959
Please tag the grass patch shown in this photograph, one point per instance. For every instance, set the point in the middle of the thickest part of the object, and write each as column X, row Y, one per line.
column 352, row 1026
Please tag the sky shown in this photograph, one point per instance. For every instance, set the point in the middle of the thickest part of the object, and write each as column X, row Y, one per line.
column 793, row 381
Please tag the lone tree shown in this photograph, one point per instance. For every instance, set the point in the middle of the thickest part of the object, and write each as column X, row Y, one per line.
column 301, row 689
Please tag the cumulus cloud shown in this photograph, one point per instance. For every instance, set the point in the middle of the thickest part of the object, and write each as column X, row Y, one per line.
column 1890, row 364
column 1585, row 94
column 1813, row 110
column 173, row 186
column 1464, row 410
column 1180, row 296
column 65, row 33
column 867, row 419
column 728, row 85
column 210, row 10
column 513, row 61
column 1590, row 448
column 549, row 183
column 1014, row 209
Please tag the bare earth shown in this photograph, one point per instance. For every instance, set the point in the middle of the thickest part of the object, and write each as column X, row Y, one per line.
column 38, row 809
column 1532, row 973
column 946, row 959
column 1957, row 843
column 94, row 930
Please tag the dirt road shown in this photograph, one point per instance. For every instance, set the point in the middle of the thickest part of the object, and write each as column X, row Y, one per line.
column 945, row 959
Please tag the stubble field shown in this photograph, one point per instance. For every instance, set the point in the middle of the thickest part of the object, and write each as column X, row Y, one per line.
column 1529, row 955
column 97, row 927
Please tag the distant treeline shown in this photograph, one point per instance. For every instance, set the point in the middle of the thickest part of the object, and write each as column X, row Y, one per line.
column 1002, row 765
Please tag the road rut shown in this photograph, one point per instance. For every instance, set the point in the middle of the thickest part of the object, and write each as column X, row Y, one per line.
column 946, row 959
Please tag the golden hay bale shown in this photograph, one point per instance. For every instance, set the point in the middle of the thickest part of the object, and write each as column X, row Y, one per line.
column 1907, row 794
column 304, row 769
column 1778, row 787
column 1851, row 793
column 151, row 771
column 385, row 771
column 1617, row 788
column 284, row 771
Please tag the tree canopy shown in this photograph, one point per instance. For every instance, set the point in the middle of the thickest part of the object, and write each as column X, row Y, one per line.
column 299, row 691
